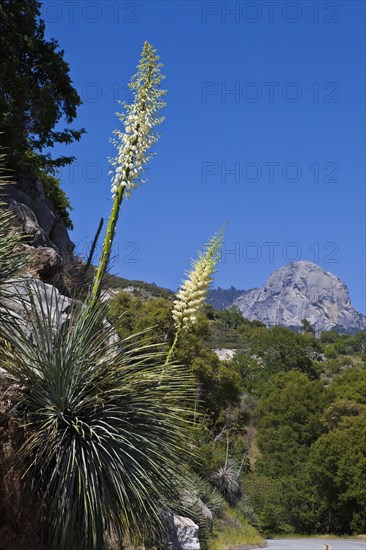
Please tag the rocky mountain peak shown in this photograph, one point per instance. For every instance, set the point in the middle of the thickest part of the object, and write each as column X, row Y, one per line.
column 302, row 290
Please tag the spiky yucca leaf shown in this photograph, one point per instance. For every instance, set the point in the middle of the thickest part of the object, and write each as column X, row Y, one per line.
column 206, row 492
column 12, row 259
column 108, row 426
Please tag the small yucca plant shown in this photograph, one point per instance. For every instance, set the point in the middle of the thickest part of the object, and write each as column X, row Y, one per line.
column 227, row 480
column 106, row 425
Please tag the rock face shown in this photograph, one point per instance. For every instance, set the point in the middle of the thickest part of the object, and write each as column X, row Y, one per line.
column 187, row 533
column 20, row 524
column 44, row 232
column 48, row 301
column 183, row 533
column 302, row 290
column 224, row 354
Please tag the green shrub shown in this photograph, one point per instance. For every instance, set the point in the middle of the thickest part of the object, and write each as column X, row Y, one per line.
column 57, row 197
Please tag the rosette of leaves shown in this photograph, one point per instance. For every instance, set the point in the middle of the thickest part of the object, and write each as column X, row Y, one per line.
column 108, row 426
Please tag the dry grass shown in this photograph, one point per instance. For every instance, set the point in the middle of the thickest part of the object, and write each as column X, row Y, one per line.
column 234, row 532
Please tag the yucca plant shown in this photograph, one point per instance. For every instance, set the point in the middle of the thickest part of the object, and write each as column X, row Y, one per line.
column 107, row 425
column 246, row 509
column 227, row 480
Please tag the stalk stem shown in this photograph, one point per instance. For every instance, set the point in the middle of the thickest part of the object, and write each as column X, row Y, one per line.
column 107, row 247
column 171, row 351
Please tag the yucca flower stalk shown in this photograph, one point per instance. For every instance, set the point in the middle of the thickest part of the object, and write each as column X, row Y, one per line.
column 133, row 143
column 192, row 294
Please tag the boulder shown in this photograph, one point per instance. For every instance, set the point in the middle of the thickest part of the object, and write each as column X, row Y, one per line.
column 224, row 354
column 206, row 513
column 193, row 502
column 46, row 298
column 61, row 241
column 187, row 533
column 45, row 216
column 42, row 228
column 183, row 533
column 28, row 224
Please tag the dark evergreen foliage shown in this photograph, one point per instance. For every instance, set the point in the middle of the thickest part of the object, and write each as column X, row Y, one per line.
column 36, row 95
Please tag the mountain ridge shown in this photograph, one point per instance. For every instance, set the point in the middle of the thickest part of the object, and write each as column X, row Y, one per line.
column 299, row 290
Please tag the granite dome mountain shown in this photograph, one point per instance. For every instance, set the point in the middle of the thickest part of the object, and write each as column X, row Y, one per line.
column 299, row 290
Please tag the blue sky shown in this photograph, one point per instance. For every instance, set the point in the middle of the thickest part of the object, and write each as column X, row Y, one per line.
column 265, row 129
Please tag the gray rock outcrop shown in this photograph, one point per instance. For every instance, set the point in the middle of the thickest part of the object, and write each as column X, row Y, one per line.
column 45, row 234
column 183, row 533
column 302, row 290
column 224, row 354
column 23, row 293
column 199, row 509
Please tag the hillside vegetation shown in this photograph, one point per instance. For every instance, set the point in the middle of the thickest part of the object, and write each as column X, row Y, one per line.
column 119, row 423
column 280, row 427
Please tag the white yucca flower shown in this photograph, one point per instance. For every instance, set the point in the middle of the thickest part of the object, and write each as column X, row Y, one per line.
column 139, row 119
column 192, row 294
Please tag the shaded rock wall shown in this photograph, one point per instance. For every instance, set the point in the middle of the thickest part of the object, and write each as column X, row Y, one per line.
column 45, row 235
column 20, row 524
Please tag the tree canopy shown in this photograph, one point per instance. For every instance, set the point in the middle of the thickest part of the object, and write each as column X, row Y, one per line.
column 36, row 91
column 280, row 419
column 37, row 98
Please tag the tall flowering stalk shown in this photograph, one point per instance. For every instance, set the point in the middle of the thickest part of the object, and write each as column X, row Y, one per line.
column 192, row 294
column 139, row 120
